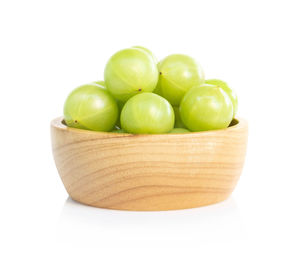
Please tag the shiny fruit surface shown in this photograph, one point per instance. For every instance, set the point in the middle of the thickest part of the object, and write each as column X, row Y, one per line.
column 129, row 72
column 147, row 113
column 90, row 107
column 206, row 107
column 230, row 92
column 177, row 74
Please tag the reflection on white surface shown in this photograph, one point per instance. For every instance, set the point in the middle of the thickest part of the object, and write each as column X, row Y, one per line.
column 80, row 224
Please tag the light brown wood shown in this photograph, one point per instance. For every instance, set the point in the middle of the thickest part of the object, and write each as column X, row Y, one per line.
column 149, row 172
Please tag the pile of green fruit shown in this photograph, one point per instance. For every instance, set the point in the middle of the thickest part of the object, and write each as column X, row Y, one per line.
column 142, row 96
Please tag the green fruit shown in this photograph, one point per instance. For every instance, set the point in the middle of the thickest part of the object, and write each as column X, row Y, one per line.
column 147, row 113
column 228, row 90
column 129, row 72
column 120, row 104
column 179, row 130
column 90, row 107
column 178, row 73
column 147, row 51
column 178, row 121
column 206, row 107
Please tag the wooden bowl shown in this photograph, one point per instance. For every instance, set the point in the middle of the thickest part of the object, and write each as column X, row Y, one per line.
column 149, row 172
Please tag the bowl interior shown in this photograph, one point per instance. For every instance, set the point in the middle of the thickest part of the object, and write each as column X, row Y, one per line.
column 233, row 123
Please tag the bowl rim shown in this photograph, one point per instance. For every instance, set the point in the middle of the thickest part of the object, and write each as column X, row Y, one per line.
column 57, row 123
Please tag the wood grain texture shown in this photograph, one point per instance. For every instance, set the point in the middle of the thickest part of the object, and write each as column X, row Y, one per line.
column 149, row 172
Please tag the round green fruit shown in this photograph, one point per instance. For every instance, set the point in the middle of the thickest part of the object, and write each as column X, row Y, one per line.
column 120, row 104
column 228, row 90
column 206, row 107
column 147, row 113
column 179, row 130
column 178, row 73
column 90, row 107
column 129, row 72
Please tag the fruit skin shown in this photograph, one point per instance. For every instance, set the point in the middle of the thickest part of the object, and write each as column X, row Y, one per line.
column 90, row 107
column 178, row 73
column 120, row 104
column 147, row 51
column 179, row 131
column 178, row 121
column 147, row 113
column 129, row 72
column 230, row 92
column 206, row 107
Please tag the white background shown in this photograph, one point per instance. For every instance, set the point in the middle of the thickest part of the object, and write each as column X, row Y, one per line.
column 50, row 47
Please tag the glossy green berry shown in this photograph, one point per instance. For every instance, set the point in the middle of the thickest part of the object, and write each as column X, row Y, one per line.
column 147, row 113
column 90, row 107
column 206, row 107
column 178, row 73
column 129, row 72
column 230, row 92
